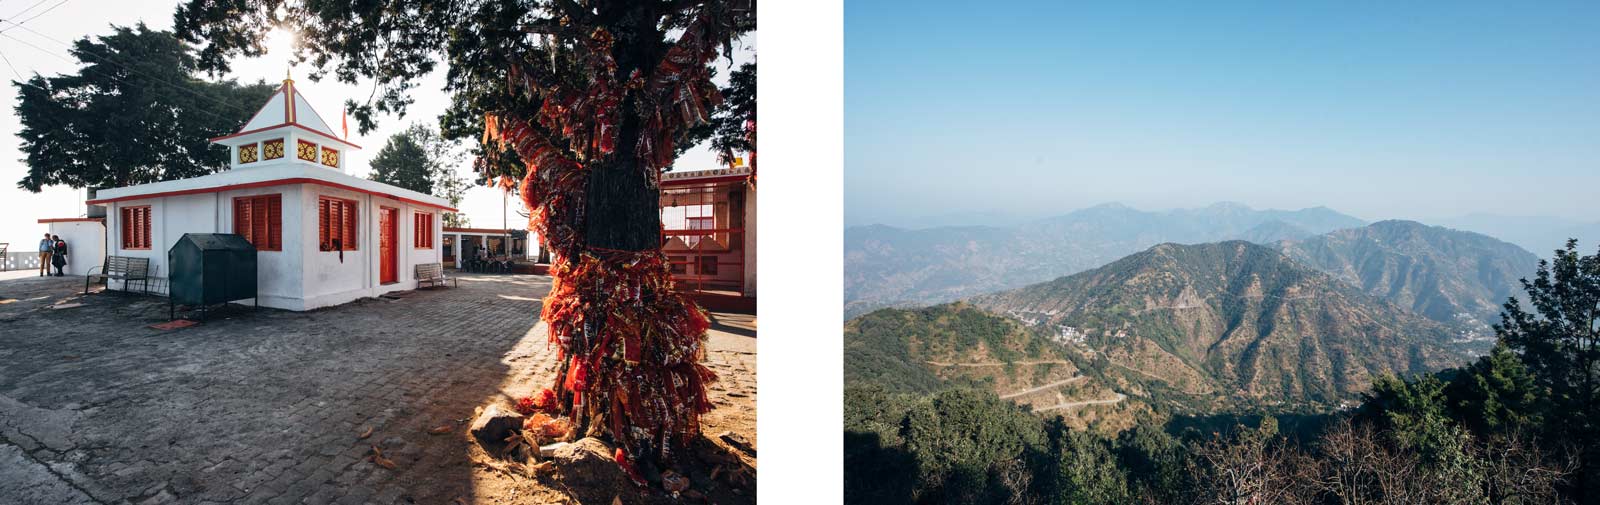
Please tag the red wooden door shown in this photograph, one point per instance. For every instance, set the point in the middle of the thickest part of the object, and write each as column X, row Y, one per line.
column 388, row 237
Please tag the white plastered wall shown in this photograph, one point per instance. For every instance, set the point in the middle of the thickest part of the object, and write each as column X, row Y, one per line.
column 300, row 277
column 279, row 283
column 85, row 244
column 331, row 282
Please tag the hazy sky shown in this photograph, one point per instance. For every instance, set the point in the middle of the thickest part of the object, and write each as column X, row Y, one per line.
column 1377, row 109
column 21, row 210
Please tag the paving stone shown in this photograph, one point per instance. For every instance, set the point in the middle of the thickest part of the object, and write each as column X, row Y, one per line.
column 262, row 406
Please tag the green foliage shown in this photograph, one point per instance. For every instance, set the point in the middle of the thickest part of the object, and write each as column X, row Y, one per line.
column 403, row 162
column 735, row 122
column 1087, row 472
column 133, row 112
column 420, row 160
column 1416, row 417
column 393, row 44
column 889, row 346
column 1560, row 345
column 968, row 427
column 1155, row 462
column 881, row 470
column 1498, row 395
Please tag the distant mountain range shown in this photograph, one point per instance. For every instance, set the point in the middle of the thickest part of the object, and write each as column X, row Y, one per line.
column 1230, row 322
column 887, row 266
column 1261, row 307
column 1439, row 273
column 1541, row 235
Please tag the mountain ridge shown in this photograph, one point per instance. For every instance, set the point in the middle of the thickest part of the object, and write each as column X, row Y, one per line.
column 1231, row 316
column 887, row 266
column 1440, row 273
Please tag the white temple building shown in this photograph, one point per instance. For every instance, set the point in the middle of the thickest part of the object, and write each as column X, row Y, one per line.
column 323, row 236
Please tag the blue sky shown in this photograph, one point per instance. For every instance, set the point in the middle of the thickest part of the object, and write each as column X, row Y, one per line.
column 1379, row 109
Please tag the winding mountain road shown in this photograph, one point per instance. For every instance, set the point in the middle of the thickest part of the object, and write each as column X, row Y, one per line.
column 1052, row 385
column 1120, row 397
column 1001, row 363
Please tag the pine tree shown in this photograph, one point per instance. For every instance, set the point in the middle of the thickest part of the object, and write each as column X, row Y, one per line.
column 1560, row 344
column 135, row 111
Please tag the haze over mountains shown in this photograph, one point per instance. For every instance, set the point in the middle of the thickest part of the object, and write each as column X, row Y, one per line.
column 1538, row 234
column 887, row 266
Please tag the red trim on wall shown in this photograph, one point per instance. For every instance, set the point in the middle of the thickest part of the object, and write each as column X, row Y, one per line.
column 264, row 184
column 665, row 183
column 100, row 220
column 290, row 123
column 452, row 229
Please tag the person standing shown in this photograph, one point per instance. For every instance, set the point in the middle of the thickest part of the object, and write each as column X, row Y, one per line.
column 45, row 247
column 58, row 255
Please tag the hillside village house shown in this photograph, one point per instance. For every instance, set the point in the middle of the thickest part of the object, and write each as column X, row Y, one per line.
column 324, row 237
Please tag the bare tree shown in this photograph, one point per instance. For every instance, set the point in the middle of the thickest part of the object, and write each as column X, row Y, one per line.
column 1515, row 471
column 1249, row 468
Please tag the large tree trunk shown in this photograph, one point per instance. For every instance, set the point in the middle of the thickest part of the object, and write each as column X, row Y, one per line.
column 630, row 344
column 622, row 211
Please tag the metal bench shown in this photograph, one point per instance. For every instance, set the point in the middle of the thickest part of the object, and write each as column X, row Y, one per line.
column 433, row 274
column 124, row 269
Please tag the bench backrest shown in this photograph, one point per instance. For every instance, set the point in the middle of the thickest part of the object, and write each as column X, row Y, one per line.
column 430, row 271
column 123, row 265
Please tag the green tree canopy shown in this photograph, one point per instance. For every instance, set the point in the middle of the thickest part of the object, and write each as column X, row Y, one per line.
column 420, row 160
column 402, row 162
column 135, row 112
column 1560, row 345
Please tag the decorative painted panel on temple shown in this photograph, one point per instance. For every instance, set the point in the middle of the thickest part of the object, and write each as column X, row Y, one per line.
column 306, row 151
column 330, row 157
column 272, row 149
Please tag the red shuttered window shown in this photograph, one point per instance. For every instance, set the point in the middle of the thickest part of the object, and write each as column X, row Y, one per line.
column 422, row 224
column 135, row 223
column 336, row 224
column 260, row 220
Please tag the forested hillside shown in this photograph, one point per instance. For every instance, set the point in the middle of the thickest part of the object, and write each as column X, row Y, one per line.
column 1520, row 425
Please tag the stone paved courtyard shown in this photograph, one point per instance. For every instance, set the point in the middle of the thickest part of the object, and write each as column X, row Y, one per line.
column 267, row 406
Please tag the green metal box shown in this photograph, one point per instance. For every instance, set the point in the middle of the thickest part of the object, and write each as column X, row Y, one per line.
column 211, row 268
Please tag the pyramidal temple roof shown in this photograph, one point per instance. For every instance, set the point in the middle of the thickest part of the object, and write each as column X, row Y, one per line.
column 287, row 108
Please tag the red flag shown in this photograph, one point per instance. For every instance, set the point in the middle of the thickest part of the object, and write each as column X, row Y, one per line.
column 344, row 123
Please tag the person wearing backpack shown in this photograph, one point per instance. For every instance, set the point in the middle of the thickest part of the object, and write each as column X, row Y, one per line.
column 58, row 255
